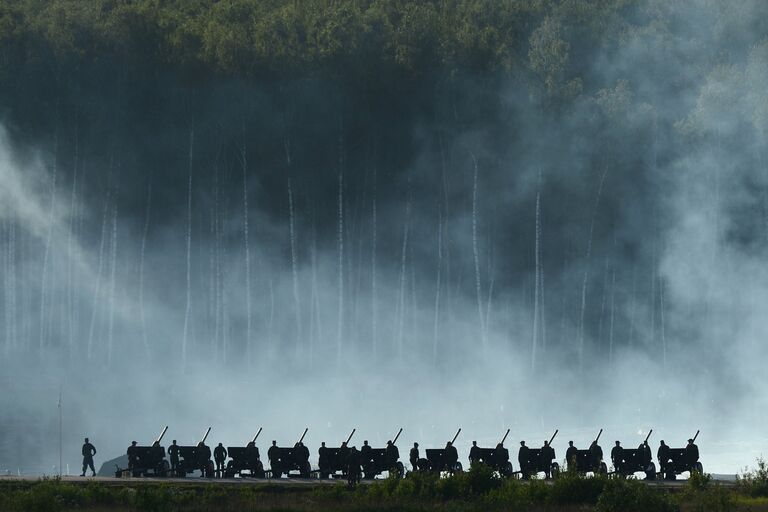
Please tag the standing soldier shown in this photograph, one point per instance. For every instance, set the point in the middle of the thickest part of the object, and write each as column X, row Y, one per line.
column 501, row 458
column 474, row 454
column 158, row 456
column 570, row 456
column 663, row 455
column 691, row 455
column 88, row 452
column 617, row 457
column 647, row 455
column 547, row 455
column 523, row 454
column 253, row 459
column 413, row 456
column 173, row 451
column 595, row 456
column 220, row 455
column 392, row 455
column 132, row 456
column 203, row 459
column 322, row 460
column 451, row 456
column 365, row 456
column 273, row 454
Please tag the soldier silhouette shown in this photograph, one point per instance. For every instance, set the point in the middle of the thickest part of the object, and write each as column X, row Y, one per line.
column 219, row 455
column 617, row 457
column 173, row 452
column 413, row 456
column 474, row 454
column 392, row 454
column 546, row 456
column 88, row 452
column 663, row 455
column 132, row 455
column 523, row 454
column 691, row 455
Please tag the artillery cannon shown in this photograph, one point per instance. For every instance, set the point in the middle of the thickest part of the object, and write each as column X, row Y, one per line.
column 637, row 460
column 148, row 460
column 442, row 459
column 679, row 462
column 376, row 460
column 196, row 458
column 284, row 461
column 245, row 460
column 335, row 460
column 537, row 463
column 496, row 458
column 591, row 460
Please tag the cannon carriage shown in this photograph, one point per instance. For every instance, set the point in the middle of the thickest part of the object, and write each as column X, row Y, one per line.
column 245, row 461
column 590, row 460
column 679, row 462
column 536, row 463
column 291, row 462
column 147, row 460
column 196, row 458
column 377, row 461
column 637, row 460
column 442, row 459
column 335, row 462
column 496, row 458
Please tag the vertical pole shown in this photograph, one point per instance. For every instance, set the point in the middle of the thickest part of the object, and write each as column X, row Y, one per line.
column 60, row 433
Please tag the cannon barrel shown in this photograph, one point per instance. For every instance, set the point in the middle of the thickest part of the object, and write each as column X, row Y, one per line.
column 350, row 436
column 456, row 436
column 553, row 436
column 160, row 438
column 697, row 435
column 398, row 435
column 205, row 436
column 304, row 434
column 598, row 435
column 648, row 436
column 257, row 435
column 505, row 437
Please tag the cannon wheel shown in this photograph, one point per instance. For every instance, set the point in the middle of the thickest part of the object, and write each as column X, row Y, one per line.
column 555, row 468
column 603, row 470
column 400, row 469
column 699, row 467
column 458, row 468
column 305, row 470
column 507, row 469
column 650, row 472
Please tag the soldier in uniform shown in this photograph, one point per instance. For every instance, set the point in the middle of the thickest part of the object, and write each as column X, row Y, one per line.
column 474, row 454
column 220, row 455
column 413, row 456
column 646, row 454
column 392, row 455
column 663, row 455
column 546, row 455
column 595, row 455
column 133, row 457
column 343, row 454
column 617, row 457
column 353, row 465
column 501, row 457
column 322, row 460
column 173, row 452
column 252, row 457
column 303, row 455
column 203, row 458
column 273, row 454
column 88, row 452
column 158, row 456
column 523, row 454
column 366, row 459
column 451, row 456
column 570, row 456
column 691, row 455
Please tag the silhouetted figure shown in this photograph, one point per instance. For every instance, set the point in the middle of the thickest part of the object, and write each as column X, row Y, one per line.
column 322, row 460
column 547, row 455
column 500, row 457
column 617, row 457
column 663, row 455
column 595, row 455
column 691, row 455
column 88, row 452
column 413, row 456
column 133, row 457
column 392, row 455
column 157, row 453
column 451, row 457
column 343, row 455
column 645, row 454
column 219, row 455
column 203, row 459
column 570, row 456
column 252, row 457
column 353, row 466
column 302, row 452
column 366, row 457
column 523, row 456
column 173, row 452
column 474, row 454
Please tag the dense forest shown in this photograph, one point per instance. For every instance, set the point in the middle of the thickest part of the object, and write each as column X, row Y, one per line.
column 549, row 186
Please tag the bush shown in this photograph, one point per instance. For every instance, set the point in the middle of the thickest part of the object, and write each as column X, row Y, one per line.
column 574, row 489
column 620, row 495
column 755, row 483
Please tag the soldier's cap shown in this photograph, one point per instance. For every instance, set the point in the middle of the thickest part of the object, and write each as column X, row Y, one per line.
column 690, row 440
column 662, row 441
column 133, row 442
column 570, row 442
column 522, row 442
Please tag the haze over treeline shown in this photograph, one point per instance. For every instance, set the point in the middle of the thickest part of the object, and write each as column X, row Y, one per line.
column 487, row 213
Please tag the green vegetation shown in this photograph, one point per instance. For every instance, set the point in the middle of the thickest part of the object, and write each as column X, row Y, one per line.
column 476, row 490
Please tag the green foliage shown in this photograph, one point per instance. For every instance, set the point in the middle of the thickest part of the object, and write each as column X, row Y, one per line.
column 572, row 488
column 627, row 495
column 755, row 483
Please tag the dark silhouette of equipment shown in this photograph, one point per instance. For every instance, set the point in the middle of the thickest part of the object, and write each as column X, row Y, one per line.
column 378, row 460
column 496, row 458
column 588, row 462
column 336, row 463
column 288, row 461
column 196, row 458
column 637, row 460
column 442, row 459
column 681, row 460
column 539, row 463
column 148, row 460
column 245, row 461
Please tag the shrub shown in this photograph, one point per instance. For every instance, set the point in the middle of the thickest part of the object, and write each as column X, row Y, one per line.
column 755, row 483
column 574, row 489
column 620, row 495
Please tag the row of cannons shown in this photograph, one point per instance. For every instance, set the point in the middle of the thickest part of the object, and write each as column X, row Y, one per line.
column 348, row 462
